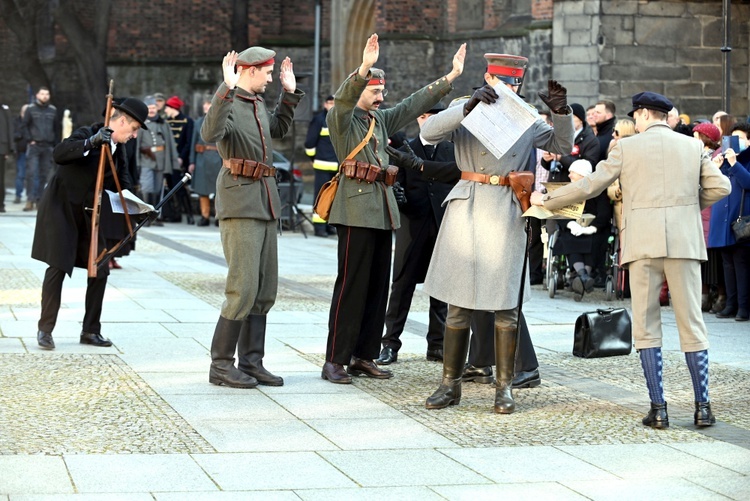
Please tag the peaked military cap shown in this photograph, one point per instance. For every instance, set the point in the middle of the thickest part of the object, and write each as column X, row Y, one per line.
column 508, row 68
column 256, row 56
column 377, row 77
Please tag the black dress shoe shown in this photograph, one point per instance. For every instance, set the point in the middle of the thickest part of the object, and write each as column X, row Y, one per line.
column 527, row 379
column 727, row 312
column 434, row 355
column 387, row 356
column 203, row 221
column 362, row 367
column 44, row 339
column 335, row 373
column 703, row 415
column 657, row 417
column 94, row 339
column 331, row 230
column 481, row 375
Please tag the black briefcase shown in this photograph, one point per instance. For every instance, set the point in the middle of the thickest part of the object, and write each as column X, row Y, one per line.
column 603, row 333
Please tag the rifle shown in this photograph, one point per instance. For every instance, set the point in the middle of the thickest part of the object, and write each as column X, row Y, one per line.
column 94, row 242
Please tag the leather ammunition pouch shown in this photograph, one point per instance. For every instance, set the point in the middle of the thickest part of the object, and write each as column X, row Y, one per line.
column 248, row 168
column 363, row 171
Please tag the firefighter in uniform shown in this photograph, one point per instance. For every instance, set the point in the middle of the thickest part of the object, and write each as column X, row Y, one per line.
column 319, row 148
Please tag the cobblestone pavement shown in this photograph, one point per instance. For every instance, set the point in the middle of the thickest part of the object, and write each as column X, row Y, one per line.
column 553, row 414
column 85, row 404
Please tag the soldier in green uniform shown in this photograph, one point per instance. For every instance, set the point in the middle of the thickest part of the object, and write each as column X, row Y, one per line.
column 364, row 211
column 248, row 206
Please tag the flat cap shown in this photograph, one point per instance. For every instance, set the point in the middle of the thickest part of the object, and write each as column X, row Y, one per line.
column 508, row 68
column 256, row 56
column 650, row 101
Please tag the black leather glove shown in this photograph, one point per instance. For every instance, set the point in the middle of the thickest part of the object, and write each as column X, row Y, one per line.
column 406, row 159
column 485, row 94
column 103, row 135
column 556, row 98
column 399, row 193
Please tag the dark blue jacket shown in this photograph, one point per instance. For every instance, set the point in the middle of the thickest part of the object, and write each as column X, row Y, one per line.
column 725, row 211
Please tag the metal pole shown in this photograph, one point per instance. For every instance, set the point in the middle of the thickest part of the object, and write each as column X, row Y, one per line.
column 316, row 60
column 726, row 53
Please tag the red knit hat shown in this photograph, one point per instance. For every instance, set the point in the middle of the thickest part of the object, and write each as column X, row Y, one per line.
column 175, row 102
column 709, row 130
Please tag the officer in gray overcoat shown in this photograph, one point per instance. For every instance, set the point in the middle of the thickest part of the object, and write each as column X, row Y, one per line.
column 479, row 253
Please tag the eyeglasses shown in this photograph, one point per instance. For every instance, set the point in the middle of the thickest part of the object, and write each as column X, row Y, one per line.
column 383, row 92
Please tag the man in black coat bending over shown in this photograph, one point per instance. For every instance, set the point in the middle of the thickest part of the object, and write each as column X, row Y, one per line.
column 63, row 225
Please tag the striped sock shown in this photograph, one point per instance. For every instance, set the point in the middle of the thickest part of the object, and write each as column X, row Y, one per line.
column 651, row 362
column 697, row 362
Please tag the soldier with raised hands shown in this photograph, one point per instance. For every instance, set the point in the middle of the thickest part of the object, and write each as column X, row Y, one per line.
column 248, row 207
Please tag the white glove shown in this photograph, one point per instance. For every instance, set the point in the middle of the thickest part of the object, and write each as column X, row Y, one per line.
column 575, row 228
column 588, row 230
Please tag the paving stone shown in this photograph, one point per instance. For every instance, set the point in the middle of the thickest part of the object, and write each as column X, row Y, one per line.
column 85, row 404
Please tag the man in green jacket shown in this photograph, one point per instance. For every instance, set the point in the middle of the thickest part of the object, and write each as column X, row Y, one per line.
column 247, row 206
column 365, row 213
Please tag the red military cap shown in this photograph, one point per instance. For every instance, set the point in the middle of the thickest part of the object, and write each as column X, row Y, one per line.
column 508, row 68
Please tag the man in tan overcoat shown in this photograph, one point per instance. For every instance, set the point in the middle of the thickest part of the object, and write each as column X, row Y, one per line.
column 666, row 181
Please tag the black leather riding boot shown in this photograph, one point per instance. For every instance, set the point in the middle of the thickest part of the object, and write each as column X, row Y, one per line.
column 505, row 354
column 251, row 349
column 455, row 349
column 223, row 371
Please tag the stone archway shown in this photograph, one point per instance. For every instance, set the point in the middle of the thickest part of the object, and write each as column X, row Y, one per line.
column 352, row 21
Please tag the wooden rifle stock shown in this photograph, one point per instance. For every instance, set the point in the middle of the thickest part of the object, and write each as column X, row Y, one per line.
column 94, row 241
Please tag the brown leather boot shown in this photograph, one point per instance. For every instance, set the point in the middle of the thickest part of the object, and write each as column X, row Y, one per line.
column 455, row 349
column 505, row 355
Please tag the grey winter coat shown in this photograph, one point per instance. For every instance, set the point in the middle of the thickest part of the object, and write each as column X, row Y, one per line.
column 478, row 256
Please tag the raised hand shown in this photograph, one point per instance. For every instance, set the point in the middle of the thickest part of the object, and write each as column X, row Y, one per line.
column 458, row 63
column 556, row 97
column 231, row 74
column 286, row 76
column 369, row 55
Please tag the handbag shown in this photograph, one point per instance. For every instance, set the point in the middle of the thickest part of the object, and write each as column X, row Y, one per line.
column 603, row 333
column 327, row 193
column 741, row 227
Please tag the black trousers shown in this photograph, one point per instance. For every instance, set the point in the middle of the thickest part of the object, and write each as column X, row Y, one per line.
column 481, row 349
column 51, row 298
column 402, row 291
column 360, row 294
column 536, row 251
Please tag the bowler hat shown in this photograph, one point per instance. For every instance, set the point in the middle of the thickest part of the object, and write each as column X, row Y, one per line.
column 256, row 56
column 651, row 101
column 134, row 108
column 508, row 68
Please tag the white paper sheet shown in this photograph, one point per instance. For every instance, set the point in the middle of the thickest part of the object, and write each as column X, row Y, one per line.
column 135, row 204
column 499, row 125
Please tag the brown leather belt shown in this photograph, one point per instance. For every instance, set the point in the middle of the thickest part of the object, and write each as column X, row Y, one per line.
column 200, row 148
column 494, row 180
column 248, row 168
column 157, row 148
